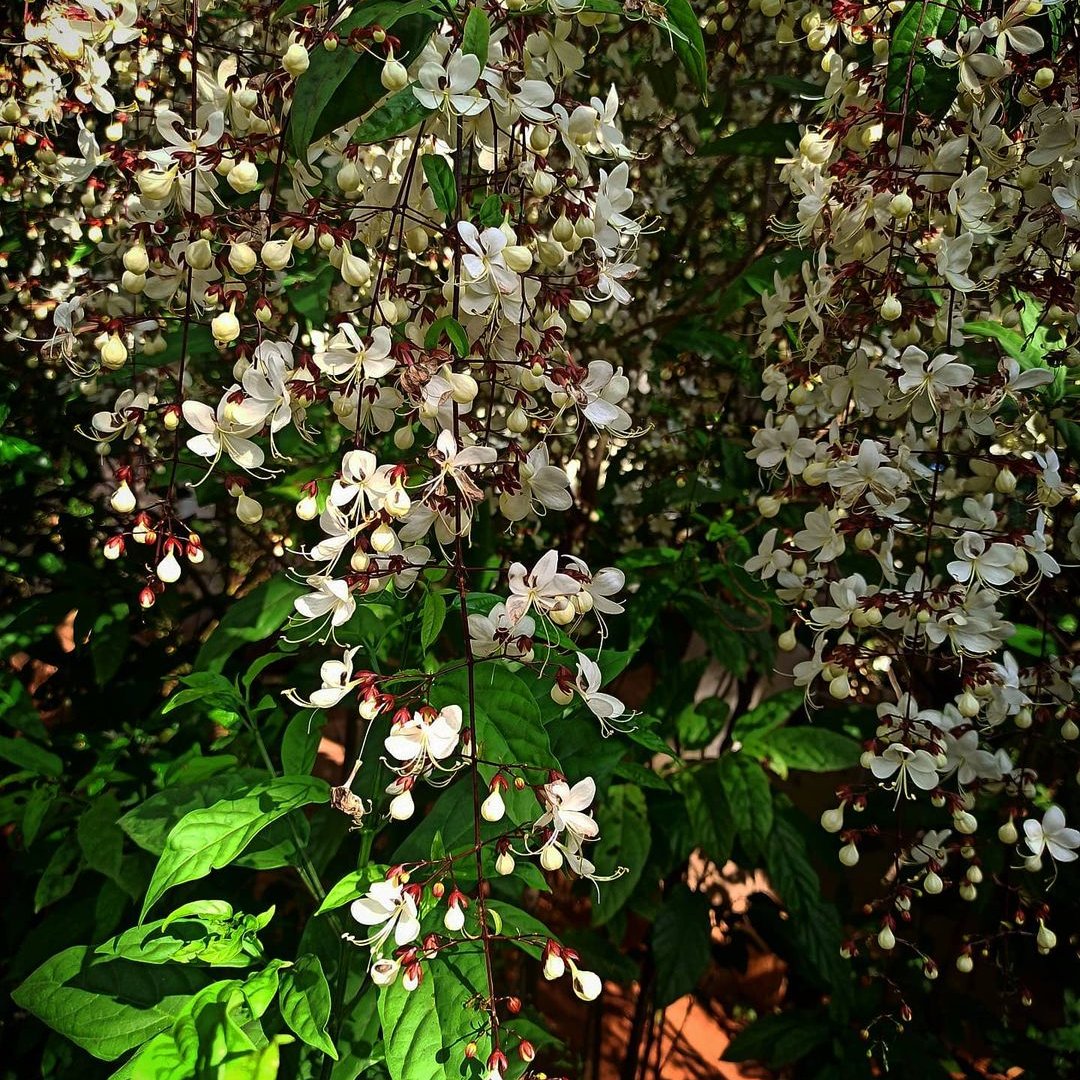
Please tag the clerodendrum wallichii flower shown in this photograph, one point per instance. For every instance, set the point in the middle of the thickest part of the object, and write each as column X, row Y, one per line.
column 389, row 259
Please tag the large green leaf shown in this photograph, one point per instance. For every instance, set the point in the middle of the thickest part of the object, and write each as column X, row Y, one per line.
column 399, row 113
column 343, row 85
column 209, row 839
column 746, row 788
column 305, row 1003
column 689, row 44
column 680, row 944
column 765, row 140
column 779, row 1039
column 624, row 840
column 809, row 748
column 254, row 618
column 412, row 1031
column 914, row 77
column 106, row 1007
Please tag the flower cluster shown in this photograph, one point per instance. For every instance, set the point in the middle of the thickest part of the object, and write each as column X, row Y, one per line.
column 916, row 441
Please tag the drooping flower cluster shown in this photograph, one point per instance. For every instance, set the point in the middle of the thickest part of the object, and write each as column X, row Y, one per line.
column 460, row 220
column 916, row 440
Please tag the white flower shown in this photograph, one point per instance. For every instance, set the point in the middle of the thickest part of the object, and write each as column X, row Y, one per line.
column 425, row 739
column 363, row 483
column 347, row 358
column 485, row 273
column 451, row 88
column 953, row 260
column 389, row 906
column 330, row 602
column 819, row 533
column 494, row 634
column 337, row 681
column 541, row 487
column 605, row 707
column 977, row 560
column 220, row 434
column 781, row 445
column 935, row 378
column 916, row 765
column 542, row 587
column 566, row 811
column 1051, row 835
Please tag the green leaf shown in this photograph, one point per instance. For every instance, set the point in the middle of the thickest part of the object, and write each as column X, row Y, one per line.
column 412, row 1031
column 101, row 840
column 109, row 639
column 342, row 85
column 148, row 824
column 914, row 78
column 765, row 140
column 808, row 748
column 38, row 804
column 106, row 1008
column 454, row 331
column 432, row 617
column 625, row 839
column 60, row 874
column 204, row 933
column 399, row 113
column 440, row 178
column 305, row 1003
column 352, row 886
column 767, row 715
column 254, row 618
column 28, row 755
column 206, row 840
column 208, row 689
column 779, row 1039
column 681, row 941
column 814, row 924
column 690, row 47
column 474, row 39
column 746, row 789
column 300, row 743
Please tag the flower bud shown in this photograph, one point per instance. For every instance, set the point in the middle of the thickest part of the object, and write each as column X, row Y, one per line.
column 551, row 858
column 886, row 939
column 156, row 184
column 225, row 327
column 114, row 353
column 114, row 548
column 296, row 60
column 768, row 506
column 307, row 509
column 561, row 696
column 493, row 808
column 1044, row 78
column 1046, row 938
column 504, row 863
column 900, row 205
column 248, row 510
column 1005, row 481
column 891, row 308
column 276, row 254
column 133, row 283
column 136, row 260
column 554, row 967
column 454, row 919
column 404, row 438
column 402, row 807
column 1007, row 833
column 787, row 640
column 587, row 984
column 968, row 704
column 965, row 823
column 542, row 183
column 243, row 177
column 123, row 499
column 932, row 884
column 518, row 258
column 833, row 820
column 840, row 687
column 964, row 963
column 242, row 259
column 199, row 255
column 580, row 310
column 849, row 854
column 393, row 76
column 168, row 569
column 383, row 538
column 147, row 598
column 384, row 971
column 417, row 239
column 563, row 614
column 354, row 270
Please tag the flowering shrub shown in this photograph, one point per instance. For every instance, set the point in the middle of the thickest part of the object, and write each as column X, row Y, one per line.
column 411, row 347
